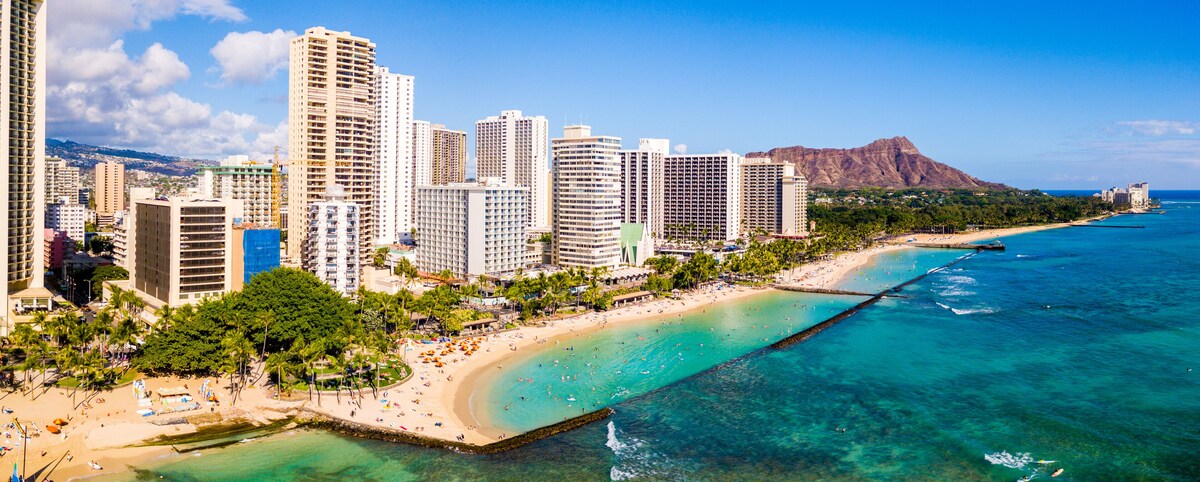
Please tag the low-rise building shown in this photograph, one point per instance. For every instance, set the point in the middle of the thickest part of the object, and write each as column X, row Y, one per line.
column 58, row 245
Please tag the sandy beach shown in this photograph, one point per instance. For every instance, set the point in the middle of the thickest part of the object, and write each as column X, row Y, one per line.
column 434, row 403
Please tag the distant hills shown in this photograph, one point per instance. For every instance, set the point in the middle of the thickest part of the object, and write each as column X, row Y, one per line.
column 87, row 156
column 890, row 163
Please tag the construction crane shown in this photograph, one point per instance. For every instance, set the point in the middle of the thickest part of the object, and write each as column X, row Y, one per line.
column 276, row 192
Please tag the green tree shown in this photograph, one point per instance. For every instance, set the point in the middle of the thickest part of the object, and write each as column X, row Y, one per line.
column 405, row 270
column 303, row 306
column 106, row 273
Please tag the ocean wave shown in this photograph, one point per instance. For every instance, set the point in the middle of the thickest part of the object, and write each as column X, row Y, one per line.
column 1012, row 461
column 960, row 280
column 955, row 291
column 632, row 463
column 1025, row 256
column 966, row 311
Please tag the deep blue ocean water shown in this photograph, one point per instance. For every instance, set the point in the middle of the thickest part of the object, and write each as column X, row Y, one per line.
column 1074, row 345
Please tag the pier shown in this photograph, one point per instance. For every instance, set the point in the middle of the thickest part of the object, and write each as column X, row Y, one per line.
column 1106, row 226
column 993, row 246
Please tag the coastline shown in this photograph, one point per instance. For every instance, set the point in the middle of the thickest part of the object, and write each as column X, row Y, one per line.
column 433, row 404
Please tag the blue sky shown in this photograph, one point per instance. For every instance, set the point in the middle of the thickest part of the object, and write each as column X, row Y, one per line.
column 1041, row 95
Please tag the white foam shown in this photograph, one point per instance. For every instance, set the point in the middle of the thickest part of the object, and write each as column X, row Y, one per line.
column 960, row 279
column 1012, row 461
column 966, row 311
column 1024, row 255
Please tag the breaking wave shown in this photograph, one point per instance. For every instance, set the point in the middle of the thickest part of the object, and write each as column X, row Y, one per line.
column 1012, row 461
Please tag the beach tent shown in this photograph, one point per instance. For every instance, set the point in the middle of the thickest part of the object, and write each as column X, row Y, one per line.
column 173, row 392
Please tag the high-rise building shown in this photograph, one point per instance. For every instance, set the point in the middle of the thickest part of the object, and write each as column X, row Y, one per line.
column 23, row 125
column 181, row 249
column 68, row 218
column 239, row 178
column 62, row 181
column 394, row 146
column 110, row 190
column 586, row 224
column 123, row 225
column 331, row 129
column 774, row 198
column 422, row 154
column 332, row 249
column 512, row 148
column 472, row 228
column 702, row 197
column 449, row 155
column 642, row 184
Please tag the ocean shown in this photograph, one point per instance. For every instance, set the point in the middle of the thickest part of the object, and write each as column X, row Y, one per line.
column 1073, row 346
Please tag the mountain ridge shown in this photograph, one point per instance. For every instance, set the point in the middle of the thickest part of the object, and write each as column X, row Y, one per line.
column 85, row 156
column 893, row 163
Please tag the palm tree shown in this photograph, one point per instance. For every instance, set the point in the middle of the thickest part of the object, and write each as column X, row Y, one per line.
column 237, row 350
column 165, row 315
column 310, row 354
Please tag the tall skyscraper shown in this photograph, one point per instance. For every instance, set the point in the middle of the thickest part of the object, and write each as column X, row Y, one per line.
column 449, row 155
column 181, row 250
column 586, row 224
column 702, row 197
column 394, row 146
column 62, row 181
column 239, row 178
column 512, row 147
column 110, row 190
column 422, row 132
column 23, row 48
column 331, row 128
column 774, row 198
column 332, row 247
column 642, row 184
column 472, row 228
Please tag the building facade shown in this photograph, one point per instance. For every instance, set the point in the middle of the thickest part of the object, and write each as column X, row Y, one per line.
column 449, row 151
column 422, row 155
column 586, row 224
column 472, row 228
column 109, row 190
column 181, row 250
column 642, row 184
column 331, row 128
column 702, row 197
column 774, row 198
column 62, row 181
column 23, row 126
column 512, row 147
column 68, row 218
column 58, row 245
column 332, row 249
column 240, row 178
column 256, row 250
column 394, row 146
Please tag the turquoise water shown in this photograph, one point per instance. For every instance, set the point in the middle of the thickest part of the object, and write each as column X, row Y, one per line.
column 1073, row 345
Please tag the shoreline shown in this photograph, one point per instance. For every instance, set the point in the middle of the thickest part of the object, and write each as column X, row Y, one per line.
column 433, row 404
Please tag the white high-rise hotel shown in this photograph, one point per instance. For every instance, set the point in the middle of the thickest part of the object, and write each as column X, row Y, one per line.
column 586, row 199
column 394, row 146
column 23, row 129
column 642, row 184
column 472, row 228
column 512, row 148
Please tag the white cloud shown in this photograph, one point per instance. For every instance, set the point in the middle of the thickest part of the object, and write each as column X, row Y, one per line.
column 1156, row 127
column 681, row 148
column 252, row 57
column 99, row 93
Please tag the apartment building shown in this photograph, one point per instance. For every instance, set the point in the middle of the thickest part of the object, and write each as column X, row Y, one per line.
column 586, row 224
column 394, row 146
column 331, row 128
column 181, row 250
column 642, row 184
column 68, row 218
column 332, row 249
column 237, row 177
column 62, row 181
column 774, row 198
column 702, row 197
column 512, row 147
column 109, row 191
column 472, row 228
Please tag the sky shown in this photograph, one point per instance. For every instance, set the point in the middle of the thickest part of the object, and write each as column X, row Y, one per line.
column 1049, row 95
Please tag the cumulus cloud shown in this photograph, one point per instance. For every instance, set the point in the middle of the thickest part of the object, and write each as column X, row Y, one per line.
column 100, row 93
column 1156, row 127
column 681, row 148
column 252, row 57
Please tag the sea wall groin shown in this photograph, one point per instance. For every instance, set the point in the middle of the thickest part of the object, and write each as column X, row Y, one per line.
column 822, row 291
column 1106, row 226
column 355, row 429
